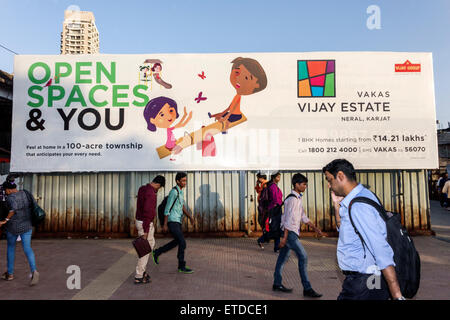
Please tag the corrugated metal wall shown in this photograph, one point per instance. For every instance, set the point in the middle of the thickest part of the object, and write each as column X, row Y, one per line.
column 223, row 202
column 4, row 168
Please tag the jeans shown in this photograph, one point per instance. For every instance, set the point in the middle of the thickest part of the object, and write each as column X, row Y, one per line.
column 276, row 245
column 355, row 287
column 178, row 240
column 26, row 245
column 292, row 243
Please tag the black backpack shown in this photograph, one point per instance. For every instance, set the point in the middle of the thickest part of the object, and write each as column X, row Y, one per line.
column 275, row 220
column 162, row 208
column 406, row 257
column 264, row 198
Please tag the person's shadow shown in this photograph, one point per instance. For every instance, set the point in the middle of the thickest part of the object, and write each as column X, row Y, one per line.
column 209, row 211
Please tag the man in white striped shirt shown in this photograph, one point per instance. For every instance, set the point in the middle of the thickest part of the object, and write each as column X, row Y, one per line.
column 293, row 216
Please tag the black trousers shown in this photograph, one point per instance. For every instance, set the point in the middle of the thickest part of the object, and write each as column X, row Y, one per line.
column 360, row 287
column 178, row 240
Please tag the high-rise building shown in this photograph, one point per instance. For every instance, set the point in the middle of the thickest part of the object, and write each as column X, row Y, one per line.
column 79, row 35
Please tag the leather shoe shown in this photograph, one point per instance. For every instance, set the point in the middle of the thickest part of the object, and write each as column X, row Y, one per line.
column 281, row 288
column 311, row 293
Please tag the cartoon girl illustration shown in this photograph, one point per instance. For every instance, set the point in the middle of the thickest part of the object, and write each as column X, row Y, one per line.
column 157, row 68
column 161, row 112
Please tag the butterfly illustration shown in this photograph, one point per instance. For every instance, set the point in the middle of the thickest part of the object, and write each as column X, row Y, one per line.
column 49, row 83
column 200, row 98
column 202, row 75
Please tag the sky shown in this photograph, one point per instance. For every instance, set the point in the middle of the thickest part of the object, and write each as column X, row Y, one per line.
column 210, row 26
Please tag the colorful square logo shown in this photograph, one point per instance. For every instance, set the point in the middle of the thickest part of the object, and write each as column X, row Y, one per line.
column 316, row 78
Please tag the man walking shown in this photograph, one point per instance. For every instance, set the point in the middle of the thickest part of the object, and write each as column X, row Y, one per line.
column 440, row 185
column 359, row 267
column 293, row 216
column 275, row 198
column 446, row 194
column 172, row 222
column 145, row 214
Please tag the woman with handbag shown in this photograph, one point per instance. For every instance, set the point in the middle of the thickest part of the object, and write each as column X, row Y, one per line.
column 19, row 222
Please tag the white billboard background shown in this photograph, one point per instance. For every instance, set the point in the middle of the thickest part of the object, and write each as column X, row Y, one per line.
column 276, row 135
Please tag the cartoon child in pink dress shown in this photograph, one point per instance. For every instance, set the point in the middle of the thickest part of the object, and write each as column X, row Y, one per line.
column 161, row 112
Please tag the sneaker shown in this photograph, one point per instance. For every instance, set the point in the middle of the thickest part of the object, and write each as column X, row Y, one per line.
column 8, row 277
column 260, row 245
column 185, row 270
column 34, row 278
column 155, row 257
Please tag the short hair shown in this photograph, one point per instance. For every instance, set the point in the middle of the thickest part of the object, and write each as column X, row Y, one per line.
column 298, row 178
column 160, row 180
column 260, row 175
column 180, row 175
column 276, row 174
column 341, row 165
column 9, row 185
column 254, row 68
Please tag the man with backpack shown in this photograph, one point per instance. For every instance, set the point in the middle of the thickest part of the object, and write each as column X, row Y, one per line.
column 145, row 214
column 361, row 229
column 173, row 215
column 291, row 220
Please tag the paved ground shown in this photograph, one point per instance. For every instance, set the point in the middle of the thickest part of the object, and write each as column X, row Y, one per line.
column 225, row 268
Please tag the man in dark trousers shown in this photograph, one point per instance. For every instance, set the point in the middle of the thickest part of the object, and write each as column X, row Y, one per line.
column 172, row 222
column 360, row 266
column 145, row 214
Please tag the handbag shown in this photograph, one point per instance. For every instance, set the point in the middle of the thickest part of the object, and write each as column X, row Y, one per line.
column 142, row 247
column 37, row 213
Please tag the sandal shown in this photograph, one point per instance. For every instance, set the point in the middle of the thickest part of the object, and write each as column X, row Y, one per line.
column 8, row 277
column 145, row 279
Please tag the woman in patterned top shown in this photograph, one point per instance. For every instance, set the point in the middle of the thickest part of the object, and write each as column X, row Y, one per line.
column 18, row 222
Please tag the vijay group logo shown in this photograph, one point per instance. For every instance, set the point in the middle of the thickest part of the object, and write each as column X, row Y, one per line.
column 407, row 67
column 316, row 78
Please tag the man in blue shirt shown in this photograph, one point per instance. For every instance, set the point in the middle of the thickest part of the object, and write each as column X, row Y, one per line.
column 361, row 264
column 172, row 222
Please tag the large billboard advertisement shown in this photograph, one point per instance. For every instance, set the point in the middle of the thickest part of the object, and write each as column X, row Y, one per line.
column 233, row 111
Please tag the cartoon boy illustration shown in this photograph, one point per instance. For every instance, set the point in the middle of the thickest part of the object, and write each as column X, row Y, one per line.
column 247, row 77
column 161, row 112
